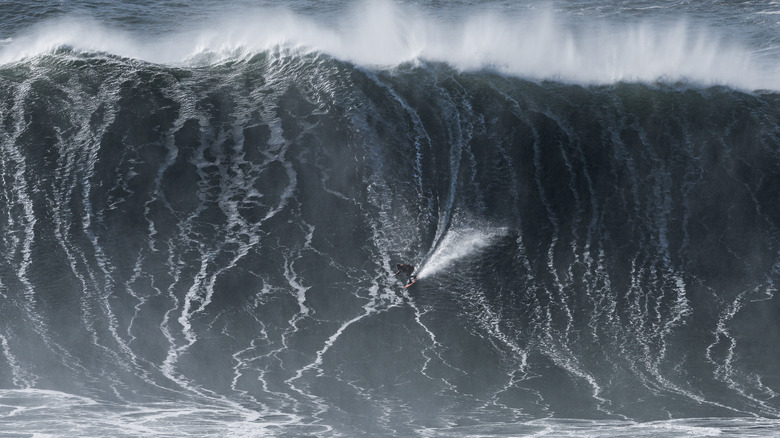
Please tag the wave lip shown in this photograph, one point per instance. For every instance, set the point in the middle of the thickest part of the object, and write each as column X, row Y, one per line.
column 380, row 34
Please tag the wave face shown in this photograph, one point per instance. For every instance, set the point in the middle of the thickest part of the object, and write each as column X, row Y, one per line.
column 212, row 249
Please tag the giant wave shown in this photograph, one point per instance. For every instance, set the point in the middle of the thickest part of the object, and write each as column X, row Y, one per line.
column 212, row 246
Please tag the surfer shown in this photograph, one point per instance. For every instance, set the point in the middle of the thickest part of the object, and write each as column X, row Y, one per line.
column 407, row 270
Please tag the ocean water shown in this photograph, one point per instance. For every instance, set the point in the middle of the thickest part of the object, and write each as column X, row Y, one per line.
column 202, row 205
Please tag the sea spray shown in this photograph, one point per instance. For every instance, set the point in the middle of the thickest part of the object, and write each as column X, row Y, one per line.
column 382, row 34
column 458, row 244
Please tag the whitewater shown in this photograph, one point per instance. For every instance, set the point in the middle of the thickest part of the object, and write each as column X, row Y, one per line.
column 202, row 205
column 538, row 43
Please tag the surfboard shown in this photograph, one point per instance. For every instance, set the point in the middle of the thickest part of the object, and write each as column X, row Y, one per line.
column 413, row 282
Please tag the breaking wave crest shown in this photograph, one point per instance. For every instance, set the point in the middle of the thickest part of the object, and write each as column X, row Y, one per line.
column 381, row 34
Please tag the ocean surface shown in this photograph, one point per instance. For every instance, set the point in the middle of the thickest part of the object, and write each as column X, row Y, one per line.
column 202, row 204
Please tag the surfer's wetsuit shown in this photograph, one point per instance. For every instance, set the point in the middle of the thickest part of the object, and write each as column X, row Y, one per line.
column 407, row 269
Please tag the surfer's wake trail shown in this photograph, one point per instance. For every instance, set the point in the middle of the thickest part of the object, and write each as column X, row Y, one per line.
column 456, row 245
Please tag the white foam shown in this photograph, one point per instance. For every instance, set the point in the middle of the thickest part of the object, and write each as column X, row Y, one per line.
column 537, row 45
column 457, row 244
